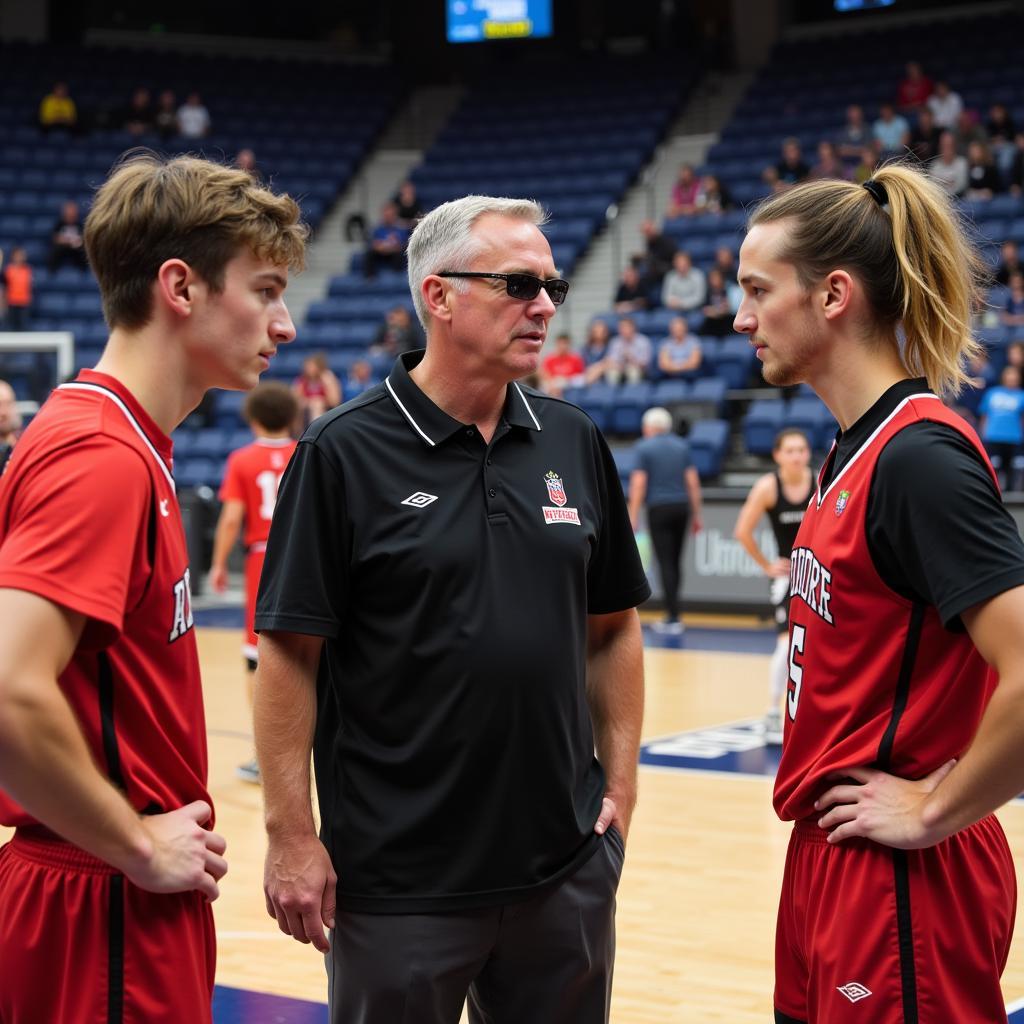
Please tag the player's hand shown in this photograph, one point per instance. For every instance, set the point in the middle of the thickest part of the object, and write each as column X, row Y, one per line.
column 184, row 855
column 299, row 885
column 219, row 578
column 778, row 568
column 617, row 812
column 696, row 524
column 883, row 808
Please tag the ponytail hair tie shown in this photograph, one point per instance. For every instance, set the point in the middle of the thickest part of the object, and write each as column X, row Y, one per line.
column 878, row 193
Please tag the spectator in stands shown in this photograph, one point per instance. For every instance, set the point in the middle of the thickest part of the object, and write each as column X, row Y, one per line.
column 1001, row 129
column 967, row 131
column 18, row 289
column 680, row 354
column 1009, row 262
column 891, row 131
column 166, row 117
column 949, row 169
column 869, row 161
column 718, row 307
column 914, row 90
column 360, row 378
column 981, row 372
column 1015, row 356
column 563, row 368
column 193, row 118
column 713, row 196
column 595, row 351
column 945, row 105
column 138, row 116
column 631, row 295
column 924, row 137
column 245, row 160
column 57, row 109
column 666, row 481
column 410, row 209
column 983, row 180
column 684, row 193
column 791, row 169
column 387, row 243
column 10, row 422
column 1016, row 175
column 316, row 388
column 659, row 251
column 853, row 136
column 1000, row 426
column 66, row 246
column 829, row 165
column 1013, row 314
column 629, row 354
column 725, row 261
column 684, row 286
column 399, row 333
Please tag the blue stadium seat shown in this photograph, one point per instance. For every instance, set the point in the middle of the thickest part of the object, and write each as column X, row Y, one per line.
column 709, row 442
column 761, row 423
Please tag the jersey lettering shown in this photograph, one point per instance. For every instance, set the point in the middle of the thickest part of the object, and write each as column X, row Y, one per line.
column 811, row 582
column 268, row 482
column 796, row 670
column 183, row 620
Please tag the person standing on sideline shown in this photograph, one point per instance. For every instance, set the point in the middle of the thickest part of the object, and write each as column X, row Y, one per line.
column 10, row 422
column 782, row 496
column 447, row 616
column 106, row 884
column 667, row 482
column 905, row 701
column 249, row 493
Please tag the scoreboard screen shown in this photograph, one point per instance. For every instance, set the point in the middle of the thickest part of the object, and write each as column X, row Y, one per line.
column 480, row 21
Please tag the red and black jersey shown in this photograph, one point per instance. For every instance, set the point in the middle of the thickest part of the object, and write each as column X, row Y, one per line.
column 89, row 520
column 875, row 677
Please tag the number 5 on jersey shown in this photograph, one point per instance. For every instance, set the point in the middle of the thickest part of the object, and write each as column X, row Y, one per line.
column 796, row 670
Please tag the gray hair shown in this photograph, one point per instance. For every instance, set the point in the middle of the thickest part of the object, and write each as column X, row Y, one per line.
column 658, row 419
column 443, row 239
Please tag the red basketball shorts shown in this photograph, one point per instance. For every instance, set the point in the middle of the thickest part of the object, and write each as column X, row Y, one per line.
column 868, row 933
column 79, row 944
column 253, row 568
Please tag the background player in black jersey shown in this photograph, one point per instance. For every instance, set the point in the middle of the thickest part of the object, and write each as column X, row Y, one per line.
column 782, row 496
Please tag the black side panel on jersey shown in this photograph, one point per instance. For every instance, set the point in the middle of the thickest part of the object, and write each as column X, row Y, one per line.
column 899, row 704
column 115, row 951
column 110, row 748
column 781, row 1018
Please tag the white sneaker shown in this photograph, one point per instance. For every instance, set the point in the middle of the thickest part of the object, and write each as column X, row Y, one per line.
column 249, row 772
column 773, row 728
column 673, row 628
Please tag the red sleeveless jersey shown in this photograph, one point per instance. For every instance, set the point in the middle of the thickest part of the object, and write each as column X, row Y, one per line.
column 252, row 476
column 89, row 520
column 874, row 678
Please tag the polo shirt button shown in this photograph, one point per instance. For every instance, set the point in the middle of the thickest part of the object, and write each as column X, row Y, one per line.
column 492, row 492
column 469, row 432
column 488, row 462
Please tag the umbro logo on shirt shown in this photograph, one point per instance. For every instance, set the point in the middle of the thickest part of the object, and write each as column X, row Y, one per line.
column 854, row 991
column 420, row 499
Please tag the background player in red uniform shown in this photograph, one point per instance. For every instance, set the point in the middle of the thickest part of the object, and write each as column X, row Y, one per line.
column 249, row 493
column 105, row 887
column 782, row 496
column 906, row 683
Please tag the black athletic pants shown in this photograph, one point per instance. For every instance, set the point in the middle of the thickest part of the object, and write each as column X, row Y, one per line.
column 668, row 525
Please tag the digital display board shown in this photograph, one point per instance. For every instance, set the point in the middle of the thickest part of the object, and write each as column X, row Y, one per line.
column 481, row 21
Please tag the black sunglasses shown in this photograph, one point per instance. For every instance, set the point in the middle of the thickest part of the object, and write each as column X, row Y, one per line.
column 521, row 286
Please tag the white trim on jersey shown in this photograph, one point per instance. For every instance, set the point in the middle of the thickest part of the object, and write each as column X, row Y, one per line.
column 536, row 422
column 407, row 414
column 99, row 389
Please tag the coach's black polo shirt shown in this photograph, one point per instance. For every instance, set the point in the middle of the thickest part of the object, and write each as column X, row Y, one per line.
column 452, row 581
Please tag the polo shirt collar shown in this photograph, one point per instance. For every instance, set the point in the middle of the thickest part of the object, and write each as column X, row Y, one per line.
column 432, row 424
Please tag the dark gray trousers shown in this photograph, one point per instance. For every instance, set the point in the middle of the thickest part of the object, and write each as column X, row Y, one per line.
column 544, row 961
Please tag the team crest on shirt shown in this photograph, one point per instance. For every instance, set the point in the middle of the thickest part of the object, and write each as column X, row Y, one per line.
column 556, row 492
column 842, row 501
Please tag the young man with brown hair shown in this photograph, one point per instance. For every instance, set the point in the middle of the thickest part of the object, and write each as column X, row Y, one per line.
column 107, row 881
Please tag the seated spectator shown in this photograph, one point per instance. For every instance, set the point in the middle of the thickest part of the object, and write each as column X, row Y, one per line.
column 725, row 261
column 680, row 354
column 193, row 118
column 968, row 130
column 684, row 286
column 1016, row 174
column 399, row 333
column 387, row 243
column 869, row 161
column 853, row 136
column 949, row 169
column 409, row 208
column 57, row 109
column 1001, row 129
column 659, row 251
column 914, row 90
column 999, row 423
column 1013, row 314
column 138, row 116
column 924, row 137
column 713, row 196
column 891, row 131
column 718, row 309
column 360, row 378
column 595, row 351
column 17, row 277
column 629, row 355
column 829, row 165
column 316, row 388
column 945, row 105
column 166, row 117
column 1015, row 355
column 245, row 160
column 791, row 169
column 982, row 177
column 631, row 294
column 1009, row 262
column 684, row 193
column 980, row 372
column 562, row 369
column 66, row 245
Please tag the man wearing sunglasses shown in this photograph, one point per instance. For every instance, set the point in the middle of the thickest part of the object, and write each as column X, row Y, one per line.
column 448, row 621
